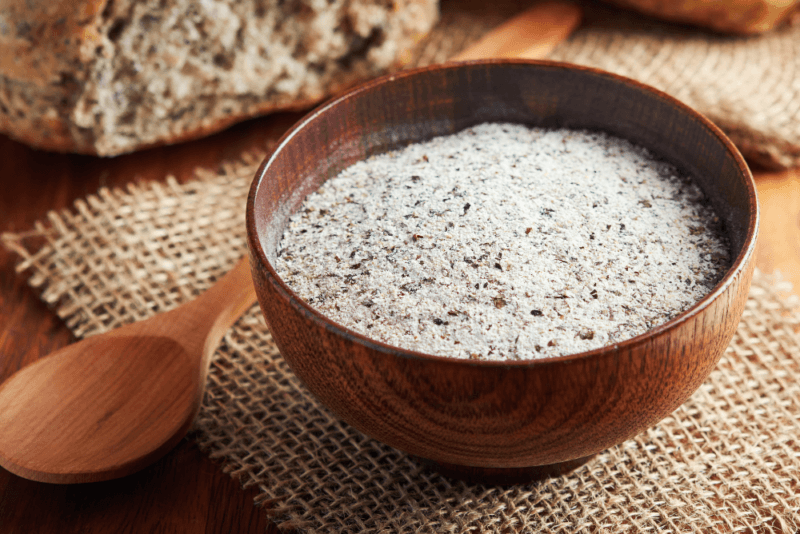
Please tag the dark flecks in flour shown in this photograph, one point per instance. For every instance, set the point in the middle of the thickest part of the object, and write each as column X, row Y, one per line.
column 530, row 242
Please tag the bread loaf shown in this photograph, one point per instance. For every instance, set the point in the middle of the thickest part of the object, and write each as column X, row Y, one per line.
column 731, row 16
column 107, row 77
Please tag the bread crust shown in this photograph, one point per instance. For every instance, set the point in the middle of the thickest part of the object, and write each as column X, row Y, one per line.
column 729, row 16
column 66, row 144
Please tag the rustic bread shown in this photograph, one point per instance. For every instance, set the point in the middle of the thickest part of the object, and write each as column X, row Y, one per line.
column 111, row 76
column 732, row 16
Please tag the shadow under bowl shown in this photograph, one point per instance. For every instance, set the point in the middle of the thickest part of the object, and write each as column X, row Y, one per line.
column 510, row 420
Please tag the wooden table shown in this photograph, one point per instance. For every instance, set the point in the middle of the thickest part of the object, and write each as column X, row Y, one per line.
column 186, row 492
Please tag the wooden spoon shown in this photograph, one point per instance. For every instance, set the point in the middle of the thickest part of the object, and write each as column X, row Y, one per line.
column 113, row 403
column 532, row 34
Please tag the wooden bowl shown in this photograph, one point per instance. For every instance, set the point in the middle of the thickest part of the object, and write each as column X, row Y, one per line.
column 513, row 420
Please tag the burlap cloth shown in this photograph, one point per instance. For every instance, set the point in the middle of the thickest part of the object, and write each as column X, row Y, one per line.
column 726, row 461
column 749, row 86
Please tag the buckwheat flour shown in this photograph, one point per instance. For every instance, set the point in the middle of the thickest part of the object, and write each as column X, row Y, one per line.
column 505, row 242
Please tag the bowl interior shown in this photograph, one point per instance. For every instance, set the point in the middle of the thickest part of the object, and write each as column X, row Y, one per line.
column 415, row 106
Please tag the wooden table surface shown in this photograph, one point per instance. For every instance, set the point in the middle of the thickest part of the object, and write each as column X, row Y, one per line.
column 186, row 492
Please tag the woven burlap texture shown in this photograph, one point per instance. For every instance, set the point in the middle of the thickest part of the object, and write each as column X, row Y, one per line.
column 726, row 461
column 748, row 86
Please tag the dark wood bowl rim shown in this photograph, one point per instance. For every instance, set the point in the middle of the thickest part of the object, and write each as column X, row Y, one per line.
column 325, row 322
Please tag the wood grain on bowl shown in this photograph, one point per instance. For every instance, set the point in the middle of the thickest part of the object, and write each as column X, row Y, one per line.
column 512, row 414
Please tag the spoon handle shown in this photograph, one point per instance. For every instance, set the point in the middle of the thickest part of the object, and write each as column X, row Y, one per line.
column 222, row 305
column 532, row 34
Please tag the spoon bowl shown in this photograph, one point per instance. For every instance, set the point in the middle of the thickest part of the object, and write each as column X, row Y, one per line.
column 113, row 403
column 162, row 403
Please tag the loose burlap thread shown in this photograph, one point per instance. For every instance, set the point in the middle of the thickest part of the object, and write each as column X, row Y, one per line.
column 748, row 86
column 727, row 461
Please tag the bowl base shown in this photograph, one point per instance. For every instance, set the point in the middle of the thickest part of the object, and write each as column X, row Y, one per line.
column 504, row 476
